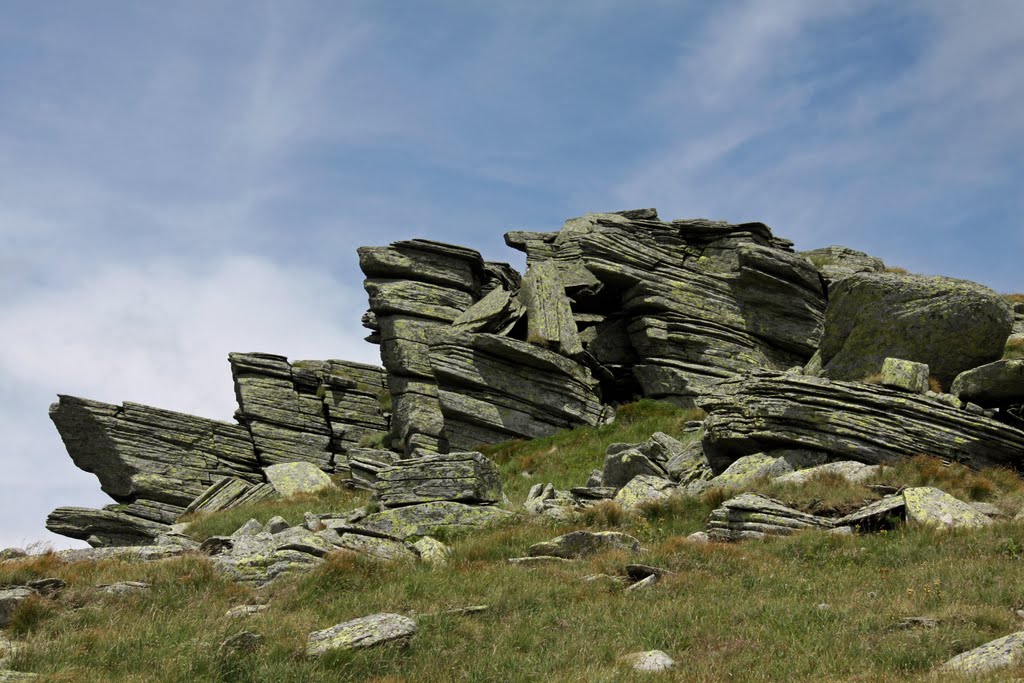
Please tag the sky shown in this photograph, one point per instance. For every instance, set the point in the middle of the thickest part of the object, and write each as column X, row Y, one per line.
column 183, row 179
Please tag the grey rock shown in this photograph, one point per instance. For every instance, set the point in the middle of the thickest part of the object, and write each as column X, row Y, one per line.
column 365, row 463
column 752, row 515
column 124, row 587
column 930, row 506
column 365, row 632
column 462, row 477
column 661, row 448
column 749, row 468
column 878, row 514
column 10, row 599
column 432, row 551
column 643, row 489
column 291, row 478
column 621, row 467
column 651, row 660
column 950, row 325
column 230, row 492
column 377, row 548
column 835, row 262
column 12, row 554
column 246, row 611
column 550, row 321
column 904, row 374
column 16, row 676
column 997, row 654
column 689, row 465
column 848, row 421
column 49, row 587
column 142, row 553
column 993, row 385
column 644, row 583
column 104, row 528
column 988, row 509
column 538, row 560
column 856, row 472
column 250, row 528
column 583, row 543
column 431, row 519
column 699, row 537
column 243, row 642
column 276, row 525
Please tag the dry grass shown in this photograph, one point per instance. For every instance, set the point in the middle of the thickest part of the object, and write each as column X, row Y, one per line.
column 935, row 384
column 896, row 269
column 1014, row 348
column 1014, row 298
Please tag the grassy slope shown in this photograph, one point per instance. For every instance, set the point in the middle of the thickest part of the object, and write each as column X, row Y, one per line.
column 730, row 612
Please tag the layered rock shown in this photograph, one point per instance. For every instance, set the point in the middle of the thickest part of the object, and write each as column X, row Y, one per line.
column 868, row 423
column 836, row 262
column 993, row 385
column 751, row 515
column 697, row 300
column 461, row 477
column 950, row 325
column 153, row 462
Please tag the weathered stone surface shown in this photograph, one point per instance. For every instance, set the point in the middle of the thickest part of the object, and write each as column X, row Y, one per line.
column 749, row 468
column 577, row 544
column 751, row 515
column 879, row 514
column 856, row 472
column 365, row 463
column 364, row 632
column 10, row 599
column 549, row 317
column 246, row 611
column 462, row 477
column 281, row 409
column 432, row 551
column 12, row 554
column 357, row 404
column 138, row 553
column 154, row 462
column 7, row 676
column 229, row 492
column 950, row 325
column 124, row 587
column 383, row 549
column 290, row 478
column 689, row 465
column 993, row 385
column 997, row 654
column 904, row 374
column 652, row 660
column 642, row 489
column 243, row 642
column 848, row 421
column 835, row 262
column 430, row 519
column 497, row 313
column 932, row 507
column 493, row 389
column 622, row 466
column 104, row 528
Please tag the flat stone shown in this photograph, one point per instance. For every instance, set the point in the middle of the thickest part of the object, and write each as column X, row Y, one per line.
column 644, row 489
column 877, row 514
column 365, row 632
column 461, row 477
column 993, row 385
column 432, row 551
column 751, row 515
column 623, row 466
column 382, row 549
column 292, row 478
column 583, row 543
column 246, row 611
column 930, row 506
column 10, row 599
column 124, row 587
column 855, row 472
column 431, row 519
column 652, row 660
column 48, row 587
column 748, row 469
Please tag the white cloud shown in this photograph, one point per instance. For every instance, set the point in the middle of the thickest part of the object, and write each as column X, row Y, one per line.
column 159, row 334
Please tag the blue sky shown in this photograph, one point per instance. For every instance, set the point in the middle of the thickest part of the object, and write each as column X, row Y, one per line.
column 179, row 180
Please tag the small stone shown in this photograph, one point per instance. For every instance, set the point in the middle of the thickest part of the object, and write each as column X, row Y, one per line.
column 639, row 572
column 124, row 587
column 652, row 660
column 250, row 528
column 699, row 537
column 290, row 478
column 10, row 599
column 48, row 587
column 245, row 611
column 12, row 554
column 917, row 622
column 376, row 629
column 538, row 559
column 905, row 375
column 582, row 543
column 645, row 583
column 432, row 551
column 824, row 606
column 277, row 524
column 841, row 531
column 246, row 641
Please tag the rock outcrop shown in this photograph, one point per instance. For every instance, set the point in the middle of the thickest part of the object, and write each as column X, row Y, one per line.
column 461, row 477
column 764, row 411
column 835, row 262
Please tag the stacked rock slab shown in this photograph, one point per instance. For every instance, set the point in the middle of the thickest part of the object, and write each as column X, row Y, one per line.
column 469, row 478
column 153, row 462
column 685, row 303
column 415, row 288
column 764, row 411
column 281, row 409
column 836, row 262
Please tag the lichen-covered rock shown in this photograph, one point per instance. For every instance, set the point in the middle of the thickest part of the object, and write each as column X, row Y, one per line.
column 904, row 374
column 365, row 463
column 751, row 515
column 848, row 421
column 997, row 654
column 462, row 477
column 430, row 519
column 855, row 472
column 621, row 467
column 10, row 599
column 364, row 632
column 153, row 462
column 577, row 544
column 689, row 465
column 993, row 385
column 104, row 528
column 642, row 489
column 932, row 507
column 652, row 660
column 432, row 551
column 230, row 492
column 835, row 262
column 137, row 553
column 384, row 549
column 749, row 468
column 291, row 478
column 950, row 325
column 876, row 515
column 549, row 317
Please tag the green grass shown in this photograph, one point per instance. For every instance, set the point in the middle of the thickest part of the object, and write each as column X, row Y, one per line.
column 746, row 612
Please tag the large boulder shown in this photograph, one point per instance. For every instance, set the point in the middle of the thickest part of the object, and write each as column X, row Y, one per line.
column 993, row 385
column 951, row 325
column 461, row 477
column 931, row 507
column 291, row 478
column 848, row 421
column 835, row 262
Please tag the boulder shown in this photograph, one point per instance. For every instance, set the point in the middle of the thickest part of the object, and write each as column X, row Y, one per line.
column 950, row 325
column 642, row 489
column 230, row 492
column 835, row 262
column 993, row 385
column 652, row 660
column 689, row 465
column 751, row 515
column 749, row 468
column 622, row 467
column 10, row 600
column 246, row 611
column 462, row 477
column 852, row 471
column 365, row 463
column 848, row 421
column 549, row 316
column 578, row 544
column 932, row 507
column 376, row 629
column 384, row 549
column 291, row 478
column 432, row 551
column 904, row 374
column 997, row 654
column 104, row 528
